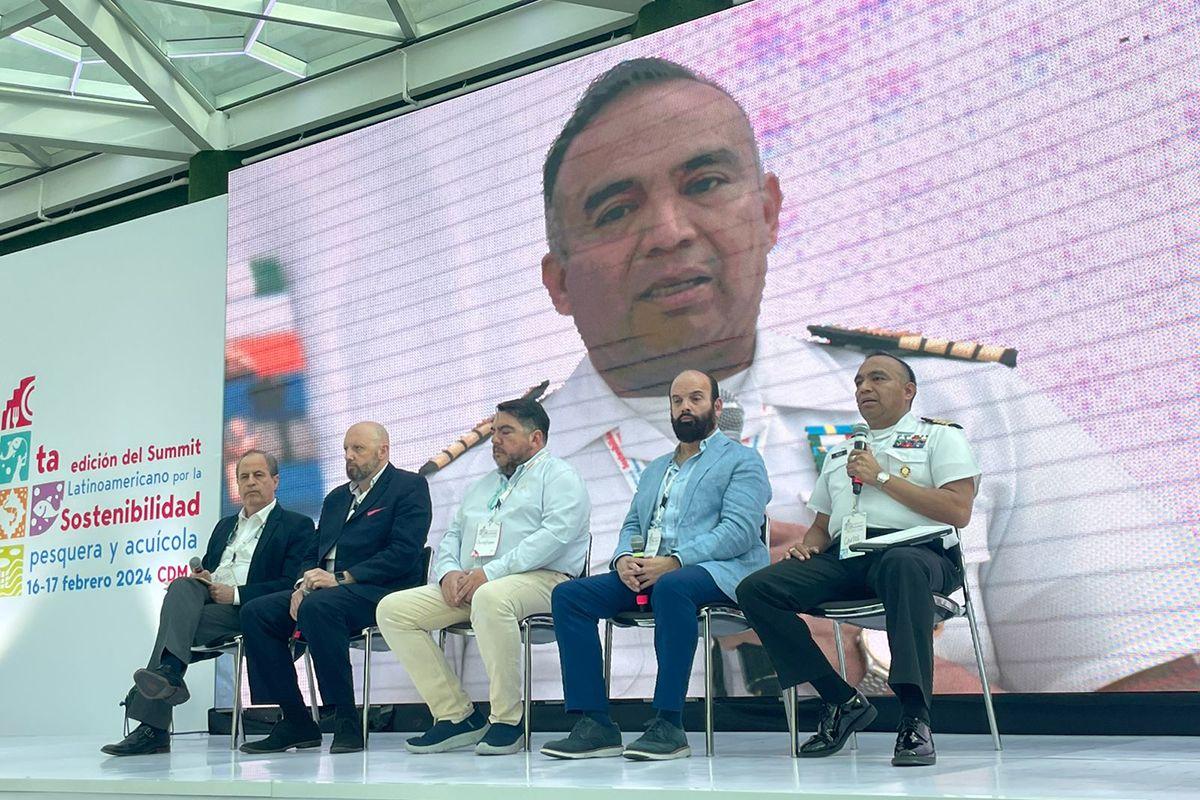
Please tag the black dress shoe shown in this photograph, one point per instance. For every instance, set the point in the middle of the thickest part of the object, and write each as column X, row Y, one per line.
column 143, row 740
column 347, row 735
column 836, row 725
column 286, row 735
column 914, row 744
column 161, row 683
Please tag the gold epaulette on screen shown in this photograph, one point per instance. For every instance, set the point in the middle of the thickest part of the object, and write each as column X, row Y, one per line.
column 947, row 422
column 479, row 433
column 880, row 339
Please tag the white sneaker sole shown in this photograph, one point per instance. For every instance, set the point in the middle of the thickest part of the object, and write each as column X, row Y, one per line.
column 602, row 752
column 485, row 749
column 468, row 739
column 642, row 755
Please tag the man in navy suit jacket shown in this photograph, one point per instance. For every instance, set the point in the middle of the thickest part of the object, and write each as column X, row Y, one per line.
column 250, row 554
column 699, row 512
column 368, row 544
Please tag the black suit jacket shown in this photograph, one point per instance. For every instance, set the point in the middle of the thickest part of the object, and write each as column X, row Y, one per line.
column 381, row 544
column 285, row 541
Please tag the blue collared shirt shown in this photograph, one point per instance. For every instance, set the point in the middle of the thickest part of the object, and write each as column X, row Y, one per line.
column 676, row 479
column 543, row 511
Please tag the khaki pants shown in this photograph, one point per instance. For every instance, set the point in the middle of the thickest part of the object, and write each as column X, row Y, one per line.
column 406, row 618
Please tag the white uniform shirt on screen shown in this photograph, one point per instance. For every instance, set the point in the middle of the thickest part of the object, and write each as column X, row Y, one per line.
column 235, row 560
column 1048, row 548
column 919, row 452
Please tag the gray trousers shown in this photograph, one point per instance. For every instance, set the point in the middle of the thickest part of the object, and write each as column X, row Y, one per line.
column 188, row 617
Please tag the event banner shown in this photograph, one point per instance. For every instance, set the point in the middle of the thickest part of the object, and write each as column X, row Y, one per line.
column 1004, row 190
column 110, row 397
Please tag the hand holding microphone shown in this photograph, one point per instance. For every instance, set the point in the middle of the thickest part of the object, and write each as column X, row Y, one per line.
column 637, row 543
column 199, row 572
column 859, row 434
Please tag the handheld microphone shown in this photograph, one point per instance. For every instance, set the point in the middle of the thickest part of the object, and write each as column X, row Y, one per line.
column 732, row 419
column 196, row 564
column 637, row 544
column 859, row 433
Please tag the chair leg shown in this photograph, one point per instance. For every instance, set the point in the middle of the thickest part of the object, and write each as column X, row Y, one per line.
column 236, row 725
column 312, row 685
column 841, row 651
column 528, row 694
column 366, row 712
column 983, row 678
column 706, row 623
column 789, row 710
column 608, row 631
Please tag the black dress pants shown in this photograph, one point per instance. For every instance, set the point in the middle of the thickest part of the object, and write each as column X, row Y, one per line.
column 327, row 620
column 903, row 578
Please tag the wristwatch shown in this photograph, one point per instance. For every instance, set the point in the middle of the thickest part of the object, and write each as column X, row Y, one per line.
column 340, row 576
column 882, row 478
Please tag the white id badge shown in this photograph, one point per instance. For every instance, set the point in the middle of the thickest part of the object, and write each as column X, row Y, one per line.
column 487, row 539
column 653, row 541
column 854, row 530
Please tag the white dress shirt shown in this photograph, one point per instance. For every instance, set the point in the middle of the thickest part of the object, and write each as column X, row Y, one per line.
column 235, row 560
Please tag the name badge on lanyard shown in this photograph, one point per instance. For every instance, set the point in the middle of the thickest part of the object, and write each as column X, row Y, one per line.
column 487, row 540
column 854, row 530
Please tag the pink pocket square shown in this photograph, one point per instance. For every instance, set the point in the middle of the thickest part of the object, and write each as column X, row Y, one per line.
column 374, row 511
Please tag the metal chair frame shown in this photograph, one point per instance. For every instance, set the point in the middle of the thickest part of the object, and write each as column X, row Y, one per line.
column 869, row 613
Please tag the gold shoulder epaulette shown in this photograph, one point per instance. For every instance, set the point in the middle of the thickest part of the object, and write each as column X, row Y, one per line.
column 880, row 339
column 479, row 433
column 947, row 422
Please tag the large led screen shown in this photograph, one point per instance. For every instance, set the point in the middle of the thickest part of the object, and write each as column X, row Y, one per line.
column 1019, row 178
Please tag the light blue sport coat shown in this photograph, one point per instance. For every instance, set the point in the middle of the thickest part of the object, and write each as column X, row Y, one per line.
column 721, row 516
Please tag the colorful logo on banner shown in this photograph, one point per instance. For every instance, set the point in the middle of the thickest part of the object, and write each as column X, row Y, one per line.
column 17, row 413
column 45, row 506
column 14, row 458
column 13, row 519
column 12, row 570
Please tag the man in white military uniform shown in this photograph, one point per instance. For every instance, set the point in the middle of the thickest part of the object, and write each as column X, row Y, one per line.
column 909, row 474
column 659, row 227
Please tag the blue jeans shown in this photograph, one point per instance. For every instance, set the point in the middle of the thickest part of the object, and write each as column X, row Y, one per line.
column 579, row 604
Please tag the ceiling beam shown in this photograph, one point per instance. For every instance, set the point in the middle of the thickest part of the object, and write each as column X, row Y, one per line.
column 35, row 154
column 302, row 16
column 404, row 17
column 18, row 160
column 86, row 180
column 145, row 68
column 23, row 17
column 434, row 63
column 49, row 43
column 45, row 119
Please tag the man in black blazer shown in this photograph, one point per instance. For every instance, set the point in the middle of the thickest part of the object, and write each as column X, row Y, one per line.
column 368, row 544
column 250, row 554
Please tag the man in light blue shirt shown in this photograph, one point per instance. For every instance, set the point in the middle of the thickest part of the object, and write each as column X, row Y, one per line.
column 697, row 517
column 519, row 532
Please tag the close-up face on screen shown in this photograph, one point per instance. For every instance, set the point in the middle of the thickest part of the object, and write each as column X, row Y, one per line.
column 1021, row 179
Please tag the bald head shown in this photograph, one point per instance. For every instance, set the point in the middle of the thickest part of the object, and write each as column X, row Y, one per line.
column 366, row 449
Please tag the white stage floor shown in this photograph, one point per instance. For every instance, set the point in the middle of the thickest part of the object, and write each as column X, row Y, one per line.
column 747, row 765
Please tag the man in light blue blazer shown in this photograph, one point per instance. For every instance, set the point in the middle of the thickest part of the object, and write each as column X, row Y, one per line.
column 698, row 514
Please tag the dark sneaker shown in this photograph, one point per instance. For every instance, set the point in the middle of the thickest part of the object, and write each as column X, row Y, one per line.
column 502, row 739
column 914, row 744
column 161, row 683
column 347, row 735
column 662, row 741
column 588, row 739
column 836, row 725
column 286, row 735
column 446, row 735
column 142, row 741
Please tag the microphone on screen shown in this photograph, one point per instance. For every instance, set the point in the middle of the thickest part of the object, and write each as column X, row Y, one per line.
column 637, row 543
column 732, row 419
column 859, row 434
